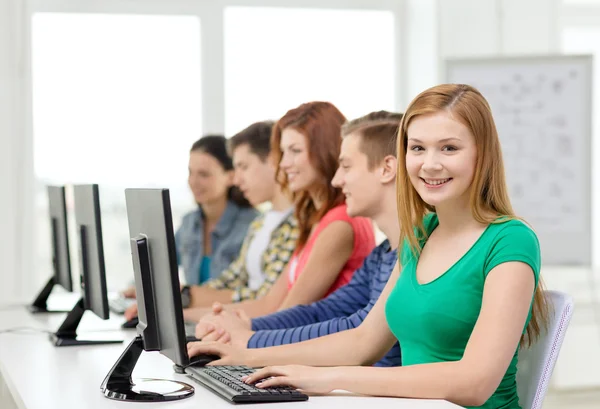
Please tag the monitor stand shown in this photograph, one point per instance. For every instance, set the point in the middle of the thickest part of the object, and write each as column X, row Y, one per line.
column 118, row 384
column 40, row 305
column 67, row 333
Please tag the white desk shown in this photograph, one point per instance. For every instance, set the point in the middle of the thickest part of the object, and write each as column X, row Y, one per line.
column 36, row 375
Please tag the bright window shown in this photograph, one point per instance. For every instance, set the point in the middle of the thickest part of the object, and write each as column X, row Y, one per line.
column 116, row 101
column 278, row 58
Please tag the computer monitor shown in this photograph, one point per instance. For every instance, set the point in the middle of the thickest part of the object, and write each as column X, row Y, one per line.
column 91, row 262
column 160, row 312
column 61, row 262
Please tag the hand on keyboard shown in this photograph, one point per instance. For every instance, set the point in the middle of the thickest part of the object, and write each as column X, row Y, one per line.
column 230, row 355
column 131, row 311
column 306, row 378
column 227, row 382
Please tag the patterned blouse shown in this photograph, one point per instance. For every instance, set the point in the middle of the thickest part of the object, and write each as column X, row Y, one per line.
column 274, row 259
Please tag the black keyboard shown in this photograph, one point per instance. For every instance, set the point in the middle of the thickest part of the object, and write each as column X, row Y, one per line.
column 225, row 382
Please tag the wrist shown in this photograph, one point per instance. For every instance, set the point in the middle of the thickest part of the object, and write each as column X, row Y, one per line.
column 242, row 340
column 334, row 377
column 255, row 358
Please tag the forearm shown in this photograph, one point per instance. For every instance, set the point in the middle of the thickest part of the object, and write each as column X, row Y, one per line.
column 305, row 299
column 300, row 333
column 194, row 314
column 202, row 296
column 332, row 350
column 343, row 303
column 305, row 292
column 290, row 318
column 252, row 308
column 443, row 380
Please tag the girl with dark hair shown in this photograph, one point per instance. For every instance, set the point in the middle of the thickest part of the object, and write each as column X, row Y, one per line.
column 210, row 237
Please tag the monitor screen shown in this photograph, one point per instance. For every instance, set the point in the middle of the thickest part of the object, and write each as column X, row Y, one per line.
column 91, row 252
column 61, row 261
column 156, row 274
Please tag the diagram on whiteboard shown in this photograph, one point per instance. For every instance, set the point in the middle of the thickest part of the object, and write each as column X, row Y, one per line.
column 542, row 111
column 538, row 115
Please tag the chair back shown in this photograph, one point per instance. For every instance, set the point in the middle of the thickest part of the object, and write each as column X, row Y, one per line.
column 537, row 362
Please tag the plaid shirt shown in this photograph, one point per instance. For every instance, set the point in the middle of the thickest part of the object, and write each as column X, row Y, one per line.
column 274, row 259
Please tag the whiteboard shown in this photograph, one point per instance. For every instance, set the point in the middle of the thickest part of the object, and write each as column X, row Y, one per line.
column 542, row 109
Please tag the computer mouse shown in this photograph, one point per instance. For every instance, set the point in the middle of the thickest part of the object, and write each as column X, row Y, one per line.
column 132, row 323
column 202, row 359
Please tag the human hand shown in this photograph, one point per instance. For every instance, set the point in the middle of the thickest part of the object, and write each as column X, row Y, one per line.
column 129, row 292
column 225, row 327
column 131, row 312
column 230, row 355
column 208, row 332
column 217, row 308
column 308, row 379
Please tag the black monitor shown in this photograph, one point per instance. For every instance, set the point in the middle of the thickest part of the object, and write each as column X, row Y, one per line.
column 91, row 262
column 160, row 312
column 61, row 262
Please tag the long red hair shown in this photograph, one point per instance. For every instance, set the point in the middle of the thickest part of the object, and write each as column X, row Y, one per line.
column 321, row 124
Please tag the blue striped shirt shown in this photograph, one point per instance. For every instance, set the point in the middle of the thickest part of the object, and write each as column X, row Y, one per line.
column 344, row 309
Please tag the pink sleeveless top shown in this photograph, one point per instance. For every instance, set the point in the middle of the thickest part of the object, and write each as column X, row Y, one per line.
column 364, row 243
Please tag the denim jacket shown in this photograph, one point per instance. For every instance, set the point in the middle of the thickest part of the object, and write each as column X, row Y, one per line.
column 226, row 240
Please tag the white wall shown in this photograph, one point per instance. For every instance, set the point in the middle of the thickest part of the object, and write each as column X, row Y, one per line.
column 440, row 29
column 496, row 27
column 16, row 168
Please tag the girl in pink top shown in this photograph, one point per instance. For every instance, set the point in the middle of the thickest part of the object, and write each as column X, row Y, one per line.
column 364, row 242
column 306, row 144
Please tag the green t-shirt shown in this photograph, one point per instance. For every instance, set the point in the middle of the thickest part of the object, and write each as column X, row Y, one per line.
column 433, row 321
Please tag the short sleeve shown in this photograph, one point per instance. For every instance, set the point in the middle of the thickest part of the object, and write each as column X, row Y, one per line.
column 515, row 242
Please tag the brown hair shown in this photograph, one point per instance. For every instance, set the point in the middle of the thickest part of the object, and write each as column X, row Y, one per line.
column 258, row 138
column 489, row 194
column 378, row 133
column 216, row 146
column 320, row 123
